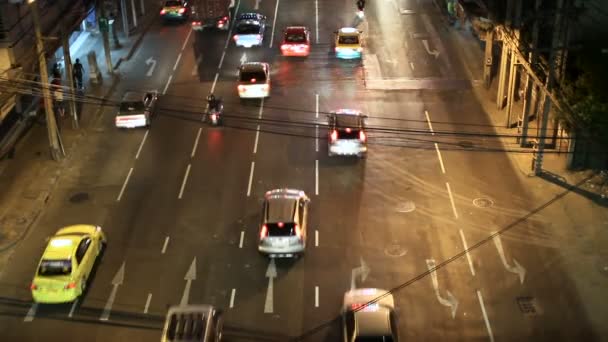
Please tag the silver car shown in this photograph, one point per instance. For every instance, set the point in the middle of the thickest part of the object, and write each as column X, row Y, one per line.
column 367, row 321
column 284, row 221
column 346, row 135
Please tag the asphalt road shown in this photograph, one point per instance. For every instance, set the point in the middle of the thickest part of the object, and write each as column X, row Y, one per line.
column 184, row 193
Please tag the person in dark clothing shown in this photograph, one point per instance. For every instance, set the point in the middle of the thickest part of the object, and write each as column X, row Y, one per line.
column 56, row 70
column 78, row 72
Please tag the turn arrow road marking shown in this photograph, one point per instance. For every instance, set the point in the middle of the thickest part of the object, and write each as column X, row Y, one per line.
column 517, row 269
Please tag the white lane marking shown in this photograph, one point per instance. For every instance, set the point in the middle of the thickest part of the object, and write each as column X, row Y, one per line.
column 257, row 5
column 257, row 137
column 177, row 61
column 317, row 106
column 198, row 62
column 440, row 159
column 118, row 279
column 316, row 238
column 271, row 273
column 167, row 85
column 214, row 82
column 250, row 178
column 165, row 245
column 141, row 144
column 274, row 22
column 317, row 21
column 31, row 313
column 147, row 306
column 466, row 248
column 261, row 108
column 219, row 66
column 124, row 185
column 451, row 199
column 316, row 176
column 181, row 191
column 485, row 316
column 316, row 296
column 517, row 269
column 187, row 38
column 428, row 120
column 316, row 138
column 198, row 136
column 232, row 298
column 73, row 308
column 412, row 66
column 241, row 239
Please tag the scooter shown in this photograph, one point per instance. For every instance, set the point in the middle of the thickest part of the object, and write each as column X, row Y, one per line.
column 214, row 116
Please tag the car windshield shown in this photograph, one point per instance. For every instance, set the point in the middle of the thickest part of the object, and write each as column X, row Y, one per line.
column 281, row 229
column 172, row 3
column 55, row 267
column 248, row 29
column 253, row 76
column 295, row 37
column 126, row 107
column 374, row 339
column 348, row 40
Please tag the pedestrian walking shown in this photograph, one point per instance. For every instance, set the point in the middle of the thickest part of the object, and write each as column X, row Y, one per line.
column 56, row 73
column 58, row 104
column 78, row 71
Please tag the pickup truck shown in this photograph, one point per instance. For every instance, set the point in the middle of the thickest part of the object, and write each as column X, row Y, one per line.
column 211, row 14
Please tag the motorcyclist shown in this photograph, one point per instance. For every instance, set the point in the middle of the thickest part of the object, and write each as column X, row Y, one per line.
column 213, row 102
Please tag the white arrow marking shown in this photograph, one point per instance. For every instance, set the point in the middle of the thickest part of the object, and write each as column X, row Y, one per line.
column 243, row 58
column 148, row 62
column 428, row 50
column 190, row 276
column 257, row 5
column 271, row 273
column 517, row 269
column 116, row 282
column 451, row 301
column 361, row 271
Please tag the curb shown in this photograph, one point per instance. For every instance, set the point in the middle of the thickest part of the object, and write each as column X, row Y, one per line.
column 140, row 38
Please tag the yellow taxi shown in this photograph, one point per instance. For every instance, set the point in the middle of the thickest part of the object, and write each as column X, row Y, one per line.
column 348, row 43
column 66, row 264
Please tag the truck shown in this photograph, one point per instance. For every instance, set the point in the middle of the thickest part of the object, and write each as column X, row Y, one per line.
column 215, row 14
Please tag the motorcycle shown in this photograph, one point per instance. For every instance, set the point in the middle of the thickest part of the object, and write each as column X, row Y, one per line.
column 214, row 115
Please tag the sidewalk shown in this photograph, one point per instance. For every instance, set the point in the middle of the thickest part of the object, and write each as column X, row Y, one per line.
column 28, row 180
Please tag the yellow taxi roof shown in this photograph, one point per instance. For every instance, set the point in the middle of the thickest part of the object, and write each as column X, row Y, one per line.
column 61, row 247
column 349, row 31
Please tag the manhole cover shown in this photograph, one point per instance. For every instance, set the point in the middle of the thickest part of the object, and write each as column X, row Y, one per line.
column 528, row 306
column 483, row 202
column 395, row 250
column 466, row 144
column 406, row 207
column 79, row 197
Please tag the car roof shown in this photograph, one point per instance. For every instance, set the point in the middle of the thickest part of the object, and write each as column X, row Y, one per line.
column 348, row 31
column 252, row 66
column 61, row 247
column 295, row 29
column 281, row 209
column 373, row 323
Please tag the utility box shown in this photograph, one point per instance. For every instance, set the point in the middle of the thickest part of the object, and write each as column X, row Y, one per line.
column 94, row 73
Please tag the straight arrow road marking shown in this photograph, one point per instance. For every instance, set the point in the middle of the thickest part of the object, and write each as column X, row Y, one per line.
column 150, row 61
column 190, row 276
column 362, row 271
column 451, row 301
column 517, row 269
column 116, row 282
column 271, row 273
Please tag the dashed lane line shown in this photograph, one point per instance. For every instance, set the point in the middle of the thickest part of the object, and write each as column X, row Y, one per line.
column 466, row 248
column 485, row 316
column 177, row 61
column 181, row 190
column 274, row 22
column 250, row 178
column 148, row 300
column 241, row 239
column 198, row 136
column 141, row 145
column 165, row 244
column 451, row 199
column 167, row 85
column 232, row 295
column 124, row 185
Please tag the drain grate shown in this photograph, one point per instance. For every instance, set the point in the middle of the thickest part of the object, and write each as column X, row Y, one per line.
column 528, row 306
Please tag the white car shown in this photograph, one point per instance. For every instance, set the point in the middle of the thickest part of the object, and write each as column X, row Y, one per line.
column 249, row 30
column 369, row 315
column 346, row 135
column 254, row 80
column 136, row 109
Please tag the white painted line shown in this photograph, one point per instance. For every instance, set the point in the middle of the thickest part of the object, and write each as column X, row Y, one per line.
column 485, row 316
column 31, row 313
column 181, row 191
column 167, row 85
column 317, row 177
column 317, row 20
column 451, row 199
column 124, row 185
column 466, row 248
column 316, row 238
column 316, row 296
column 73, row 308
column 317, row 106
column 241, row 239
column 257, row 137
column 214, row 82
column 274, row 22
column 316, row 138
column 141, row 144
column 412, row 66
column 147, row 306
column 165, row 245
column 177, row 61
column 232, row 298
column 250, row 179
column 219, row 66
column 428, row 120
column 440, row 159
column 187, row 38
column 198, row 136
column 261, row 108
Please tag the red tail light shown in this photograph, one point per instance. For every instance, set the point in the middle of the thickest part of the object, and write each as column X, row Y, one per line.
column 162, row 12
column 235, row 37
column 182, row 10
column 241, row 88
column 225, row 18
column 263, row 232
column 348, row 130
column 298, row 231
column 362, row 136
column 213, row 116
column 71, row 285
column 33, row 287
column 334, row 135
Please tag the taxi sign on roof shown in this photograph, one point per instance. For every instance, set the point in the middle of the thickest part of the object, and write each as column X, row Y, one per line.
column 348, row 30
column 61, row 242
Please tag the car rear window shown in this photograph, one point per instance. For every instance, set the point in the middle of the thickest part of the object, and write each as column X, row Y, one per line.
column 55, row 267
column 253, row 76
column 348, row 40
column 126, row 107
column 281, row 229
column 172, row 3
column 295, row 37
column 348, row 134
column 247, row 29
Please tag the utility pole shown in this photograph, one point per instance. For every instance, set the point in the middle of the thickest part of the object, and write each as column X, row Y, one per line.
column 513, row 70
column 70, row 74
column 533, row 56
column 51, row 124
column 487, row 68
column 125, row 18
column 104, row 28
